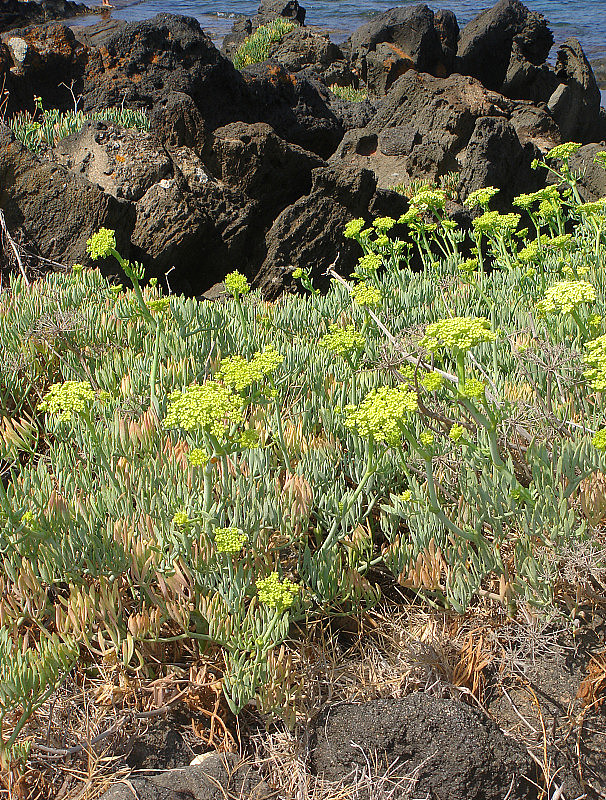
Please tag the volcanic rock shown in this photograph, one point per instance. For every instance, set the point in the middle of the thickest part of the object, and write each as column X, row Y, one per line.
column 575, row 104
column 52, row 210
column 394, row 42
column 485, row 44
column 450, row 751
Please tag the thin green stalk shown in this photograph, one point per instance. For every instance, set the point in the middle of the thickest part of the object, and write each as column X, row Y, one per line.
column 99, row 451
column 436, row 506
column 368, row 471
column 153, row 400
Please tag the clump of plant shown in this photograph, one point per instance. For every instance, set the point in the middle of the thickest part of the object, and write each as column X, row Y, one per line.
column 221, row 476
column 349, row 93
column 46, row 127
column 258, row 46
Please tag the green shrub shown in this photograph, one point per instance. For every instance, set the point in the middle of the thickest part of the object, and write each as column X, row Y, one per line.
column 349, row 93
column 211, row 473
column 48, row 126
column 258, row 46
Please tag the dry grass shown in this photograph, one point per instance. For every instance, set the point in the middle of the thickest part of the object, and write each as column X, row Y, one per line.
column 83, row 733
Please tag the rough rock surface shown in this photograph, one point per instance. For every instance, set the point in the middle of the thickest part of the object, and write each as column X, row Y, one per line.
column 297, row 108
column 592, row 183
column 494, row 156
column 575, row 104
column 138, row 63
column 217, row 777
column 264, row 167
column 309, row 233
column 394, row 42
column 54, row 210
column 16, row 14
column 486, row 42
column 454, row 751
column 421, row 128
column 42, row 61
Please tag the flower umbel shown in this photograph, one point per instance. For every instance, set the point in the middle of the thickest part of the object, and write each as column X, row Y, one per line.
column 68, row 398
column 565, row 296
column 599, row 439
column 236, row 283
column 229, row 540
column 382, row 413
column 210, row 406
column 366, row 296
column 343, row 341
column 275, row 593
column 459, row 334
column 101, row 244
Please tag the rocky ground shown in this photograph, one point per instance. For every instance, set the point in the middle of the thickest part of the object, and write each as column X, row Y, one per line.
column 259, row 169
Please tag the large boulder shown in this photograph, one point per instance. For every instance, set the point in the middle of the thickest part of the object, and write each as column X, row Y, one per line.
column 393, row 42
column 303, row 47
column 575, row 103
column 309, row 233
column 527, row 81
column 124, row 163
column 296, row 107
column 421, row 128
column 16, row 14
column 51, row 209
column 592, row 181
column 140, row 63
column 448, row 750
column 42, row 62
column 255, row 161
column 268, row 11
column 494, row 156
column 485, row 44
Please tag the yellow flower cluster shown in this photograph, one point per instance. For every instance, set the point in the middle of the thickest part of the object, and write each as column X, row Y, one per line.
column 275, row 593
column 498, row 224
column 236, row 283
column 432, row 381
column 382, row 413
column 159, row 306
column 597, row 208
column 229, row 540
column 238, row 372
column 599, row 439
column 343, row 341
column 353, row 228
column 565, row 296
column 383, row 223
column 595, row 357
column 366, row 296
column 197, row 457
column 429, row 199
column 180, row 520
column 562, row 152
column 481, row 197
column 371, row 262
column 473, row 389
column 526, row 201
column 456, row 433
column 101, row 244
column 210, row 406
column 68, row 398
column 427, row 439
column 457, row 333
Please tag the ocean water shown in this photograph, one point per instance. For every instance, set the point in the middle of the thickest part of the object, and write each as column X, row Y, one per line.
column 584, row 19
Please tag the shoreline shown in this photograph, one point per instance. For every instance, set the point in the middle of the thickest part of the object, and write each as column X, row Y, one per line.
column 225, row 20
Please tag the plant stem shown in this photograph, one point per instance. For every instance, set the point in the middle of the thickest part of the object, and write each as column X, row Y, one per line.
column 369, row 470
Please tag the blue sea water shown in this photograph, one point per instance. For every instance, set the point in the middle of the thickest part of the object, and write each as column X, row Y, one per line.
column 585, row 19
